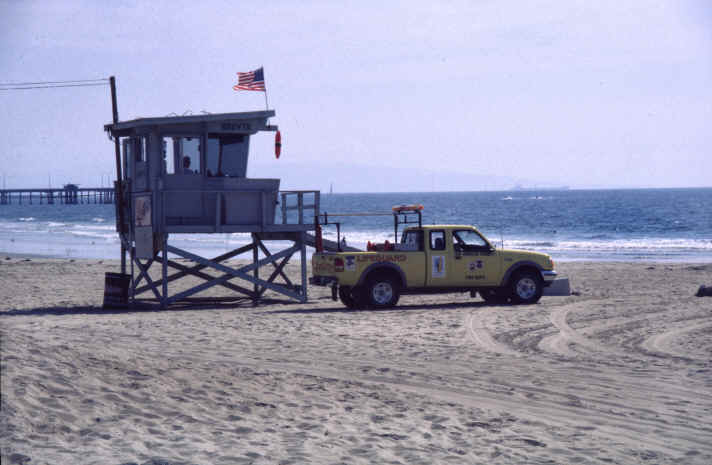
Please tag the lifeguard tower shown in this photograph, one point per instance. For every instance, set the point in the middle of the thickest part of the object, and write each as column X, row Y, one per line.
column 186, row 175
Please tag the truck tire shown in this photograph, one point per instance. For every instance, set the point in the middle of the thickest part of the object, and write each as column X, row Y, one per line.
column 382, row 291
column 526, row 288
column 494, row 296
column 348, row 297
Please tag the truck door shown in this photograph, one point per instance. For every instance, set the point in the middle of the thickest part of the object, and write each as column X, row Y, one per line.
column 439, row 259
column 412, row 257
column 475, row 263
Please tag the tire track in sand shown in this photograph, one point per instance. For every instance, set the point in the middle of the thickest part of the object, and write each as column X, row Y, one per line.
column 664, row 342
column 560, row 342
column 478, row 333
column 630, row 429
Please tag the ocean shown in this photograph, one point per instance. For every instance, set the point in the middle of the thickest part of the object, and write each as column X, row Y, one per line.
column 571, row 225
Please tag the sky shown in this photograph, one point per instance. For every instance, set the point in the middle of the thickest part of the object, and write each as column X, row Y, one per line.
column 375, row 96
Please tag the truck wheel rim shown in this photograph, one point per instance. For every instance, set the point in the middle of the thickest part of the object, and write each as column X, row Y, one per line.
column 382, row 293
column 526, row 288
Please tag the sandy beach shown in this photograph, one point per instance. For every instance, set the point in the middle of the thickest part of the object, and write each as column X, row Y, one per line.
column 619, row 373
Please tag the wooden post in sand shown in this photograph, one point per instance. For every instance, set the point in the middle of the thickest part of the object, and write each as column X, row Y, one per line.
column 119, row 195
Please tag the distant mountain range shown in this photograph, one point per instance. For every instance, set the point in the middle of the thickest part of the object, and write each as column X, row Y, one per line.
column 369, row 178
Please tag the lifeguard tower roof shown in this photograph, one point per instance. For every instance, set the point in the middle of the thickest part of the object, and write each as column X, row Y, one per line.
column 246, row 122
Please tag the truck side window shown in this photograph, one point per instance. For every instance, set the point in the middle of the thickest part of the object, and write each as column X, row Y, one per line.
column 437, row 240
column 413, row 239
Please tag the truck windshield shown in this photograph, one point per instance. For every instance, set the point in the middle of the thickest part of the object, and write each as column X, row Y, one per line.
column 468, row 239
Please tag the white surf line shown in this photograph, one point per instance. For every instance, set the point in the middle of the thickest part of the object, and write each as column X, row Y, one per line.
column 481, row 336
column 636, row 431
column 662, row 342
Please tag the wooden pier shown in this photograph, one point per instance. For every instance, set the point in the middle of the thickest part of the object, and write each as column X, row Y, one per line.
column 70, row 194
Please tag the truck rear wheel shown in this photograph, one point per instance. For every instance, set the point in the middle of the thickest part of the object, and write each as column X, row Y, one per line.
column 348, row 297
column 382, row 291
column 526, row 288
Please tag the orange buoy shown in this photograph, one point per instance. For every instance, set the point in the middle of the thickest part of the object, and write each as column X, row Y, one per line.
column 277, row 144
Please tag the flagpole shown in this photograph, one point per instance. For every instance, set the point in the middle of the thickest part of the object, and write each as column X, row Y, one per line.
column 265, row 84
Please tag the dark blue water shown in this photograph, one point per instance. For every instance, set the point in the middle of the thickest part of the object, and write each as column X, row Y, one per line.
column 645, row 224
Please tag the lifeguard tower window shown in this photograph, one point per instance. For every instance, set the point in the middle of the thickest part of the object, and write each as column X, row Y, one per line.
column 181, row 155
column 189, row 154
column 135, row 151
column 135, row 148
column 227, row 155
column 168, row 155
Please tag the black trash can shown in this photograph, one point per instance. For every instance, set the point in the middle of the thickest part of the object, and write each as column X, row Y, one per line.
column 116, row 290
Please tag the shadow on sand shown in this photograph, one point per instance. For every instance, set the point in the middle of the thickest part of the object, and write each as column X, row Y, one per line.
column 230, row 303
column 398, row 308
column 150, row 305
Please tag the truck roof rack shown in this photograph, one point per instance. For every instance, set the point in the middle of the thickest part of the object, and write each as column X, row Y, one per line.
column 400, row 216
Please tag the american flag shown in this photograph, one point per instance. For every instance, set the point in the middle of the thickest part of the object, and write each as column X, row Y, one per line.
column 253, row 80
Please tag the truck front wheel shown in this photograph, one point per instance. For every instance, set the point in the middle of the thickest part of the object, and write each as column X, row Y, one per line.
column 382, row 291
column 494, row 296
column 527, row 288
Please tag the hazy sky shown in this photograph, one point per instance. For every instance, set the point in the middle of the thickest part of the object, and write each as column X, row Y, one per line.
column 585, row 94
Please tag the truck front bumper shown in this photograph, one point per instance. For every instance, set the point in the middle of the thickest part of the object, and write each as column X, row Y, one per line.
column 549, row 276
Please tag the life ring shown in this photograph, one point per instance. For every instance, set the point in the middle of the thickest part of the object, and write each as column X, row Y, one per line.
column 277, row 144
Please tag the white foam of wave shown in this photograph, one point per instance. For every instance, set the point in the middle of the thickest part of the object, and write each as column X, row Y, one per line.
column 93, row 235
column 533, row 197
column 642, row 244
column 29, row 218
column 94, row 227
column 52, row 224
column 98, row 220
column 234, row 238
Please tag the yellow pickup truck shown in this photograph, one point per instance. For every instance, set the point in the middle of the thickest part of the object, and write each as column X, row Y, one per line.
column 433, row 259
